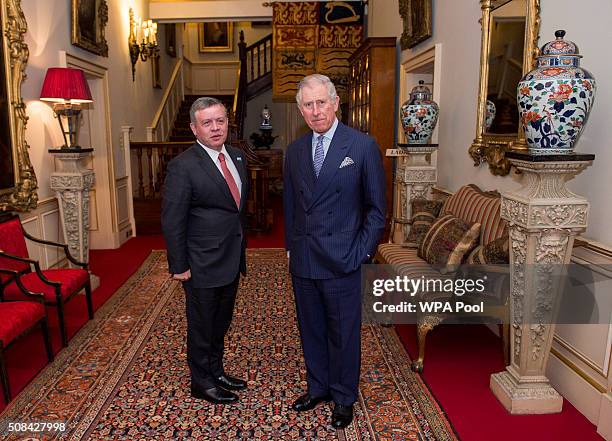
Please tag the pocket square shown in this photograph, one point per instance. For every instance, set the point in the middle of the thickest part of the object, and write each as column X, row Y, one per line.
column 238, row 158
column 346, row 162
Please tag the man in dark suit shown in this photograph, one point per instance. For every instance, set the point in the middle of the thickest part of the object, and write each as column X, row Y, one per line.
column 334, row 201
column 202, row 220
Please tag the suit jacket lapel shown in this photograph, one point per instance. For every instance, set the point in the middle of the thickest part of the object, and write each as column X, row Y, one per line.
column 237, row 159
column 306, row 170
column 335, row 154
column 213, row 172
column 305, row 163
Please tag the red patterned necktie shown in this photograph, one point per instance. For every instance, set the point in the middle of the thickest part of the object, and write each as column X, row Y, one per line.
column 231, row 183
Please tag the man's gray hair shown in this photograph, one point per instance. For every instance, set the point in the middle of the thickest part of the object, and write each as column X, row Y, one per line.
column 311, row 80
column 204, row 103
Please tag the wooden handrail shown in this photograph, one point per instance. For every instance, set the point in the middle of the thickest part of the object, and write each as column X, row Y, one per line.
column 236, row 92
column 246, row 54
column 254, row 53
column 135, row 145
column 162, row 105
column 260, row 42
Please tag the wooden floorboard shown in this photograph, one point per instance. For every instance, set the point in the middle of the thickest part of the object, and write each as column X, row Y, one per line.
column 147, row 214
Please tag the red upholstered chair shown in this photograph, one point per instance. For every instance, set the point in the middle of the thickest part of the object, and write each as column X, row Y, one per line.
column 17, row 319
column 57, row 285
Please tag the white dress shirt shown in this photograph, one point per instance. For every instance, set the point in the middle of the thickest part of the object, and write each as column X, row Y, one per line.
column 214, row 155
column 327, row 138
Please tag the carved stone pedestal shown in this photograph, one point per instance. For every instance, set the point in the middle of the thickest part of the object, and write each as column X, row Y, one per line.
column 72, row 182
column 415, row 175
column 544, row 217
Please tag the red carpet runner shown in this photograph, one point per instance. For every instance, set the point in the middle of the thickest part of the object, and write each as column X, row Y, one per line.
column 459, row 361
column 125, row 377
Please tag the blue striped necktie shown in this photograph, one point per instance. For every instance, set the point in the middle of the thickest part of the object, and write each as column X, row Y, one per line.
column 319, row 156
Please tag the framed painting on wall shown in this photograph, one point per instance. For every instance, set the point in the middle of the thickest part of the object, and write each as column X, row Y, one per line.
column 18, row 182
column 89, row 18
column 416, row 16
column 215, row 36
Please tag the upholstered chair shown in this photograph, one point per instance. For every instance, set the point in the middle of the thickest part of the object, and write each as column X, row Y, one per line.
column 57, row 285
column 17, row 319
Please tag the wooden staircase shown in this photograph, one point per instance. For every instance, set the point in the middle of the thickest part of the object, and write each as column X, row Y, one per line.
column 181, row 131
column 255, row 77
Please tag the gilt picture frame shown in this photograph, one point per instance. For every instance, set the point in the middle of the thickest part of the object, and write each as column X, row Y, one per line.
column 89, row 18
column 417, row 22
column 18, row 182
column 216, row 36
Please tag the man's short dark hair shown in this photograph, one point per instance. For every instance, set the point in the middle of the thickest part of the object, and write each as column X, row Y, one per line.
column 204, row 103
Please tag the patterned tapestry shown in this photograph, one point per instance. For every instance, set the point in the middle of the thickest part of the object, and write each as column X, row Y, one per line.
column 314, row 37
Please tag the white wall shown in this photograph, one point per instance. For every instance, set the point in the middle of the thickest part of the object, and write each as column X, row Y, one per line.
column 251, row 35
column 253, row 118
column 132, row 103
column 384, row 19
column 580, row 23
column 457, row 29
column 210, row 10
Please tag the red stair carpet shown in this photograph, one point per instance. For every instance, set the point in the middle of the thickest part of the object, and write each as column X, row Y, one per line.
column 458, row 363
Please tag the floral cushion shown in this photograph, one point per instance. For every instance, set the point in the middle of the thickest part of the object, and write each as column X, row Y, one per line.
column 424, row 213
column 448, row 241
column 496, row 252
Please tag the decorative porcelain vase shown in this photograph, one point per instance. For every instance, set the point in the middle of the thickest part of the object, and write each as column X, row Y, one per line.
column 555, row 99
column 419, row 115
column 490, row 114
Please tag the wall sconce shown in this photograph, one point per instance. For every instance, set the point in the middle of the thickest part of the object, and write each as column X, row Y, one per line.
column 148, row 47
column 67, row 89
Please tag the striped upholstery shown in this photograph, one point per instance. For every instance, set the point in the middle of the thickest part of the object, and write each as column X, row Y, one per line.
column 396, row 254
column 406, row 263
column 473, row 205
column 468, row 203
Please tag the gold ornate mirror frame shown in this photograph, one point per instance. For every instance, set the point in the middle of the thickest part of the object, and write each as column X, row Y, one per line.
column 487, row 147
column 20, row 193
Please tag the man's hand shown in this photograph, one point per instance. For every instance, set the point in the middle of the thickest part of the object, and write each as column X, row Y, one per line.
column 183, row 277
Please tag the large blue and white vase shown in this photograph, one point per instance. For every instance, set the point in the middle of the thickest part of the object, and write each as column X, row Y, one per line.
column 555, row 99
column 419, row 115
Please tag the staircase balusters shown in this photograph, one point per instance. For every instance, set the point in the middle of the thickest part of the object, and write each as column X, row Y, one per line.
column 152, row 172
column 249, row 83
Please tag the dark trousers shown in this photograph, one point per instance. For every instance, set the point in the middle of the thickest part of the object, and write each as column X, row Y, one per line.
column 209, row 315
column 329, row 318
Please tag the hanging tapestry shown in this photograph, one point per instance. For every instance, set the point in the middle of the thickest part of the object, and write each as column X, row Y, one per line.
column 314, row 37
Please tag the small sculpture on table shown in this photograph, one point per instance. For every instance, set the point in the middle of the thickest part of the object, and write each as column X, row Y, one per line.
column 265, row 139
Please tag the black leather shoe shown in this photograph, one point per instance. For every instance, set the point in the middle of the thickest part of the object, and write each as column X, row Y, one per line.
column 215, row 395
column 230, row 383
column 308, row 402
column 341, row 416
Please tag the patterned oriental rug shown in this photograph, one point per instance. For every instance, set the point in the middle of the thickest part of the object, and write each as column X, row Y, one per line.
column 125, row 376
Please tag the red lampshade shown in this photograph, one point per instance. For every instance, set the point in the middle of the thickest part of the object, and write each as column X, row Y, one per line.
column 65, row 84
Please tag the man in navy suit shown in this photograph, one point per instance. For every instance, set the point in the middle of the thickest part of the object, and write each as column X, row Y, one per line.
column 203, row 224
column 334, row 202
